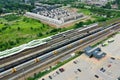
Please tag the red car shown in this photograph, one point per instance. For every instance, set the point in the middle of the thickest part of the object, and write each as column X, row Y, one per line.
column 109, row 65
column 61, row 70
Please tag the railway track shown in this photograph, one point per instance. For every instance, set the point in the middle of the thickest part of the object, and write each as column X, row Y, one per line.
column 49, row 49
column 39, row 49
column 88, row 39
column 77, row 42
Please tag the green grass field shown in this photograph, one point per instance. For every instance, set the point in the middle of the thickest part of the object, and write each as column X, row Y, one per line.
column 84, row 11
column 21, row 30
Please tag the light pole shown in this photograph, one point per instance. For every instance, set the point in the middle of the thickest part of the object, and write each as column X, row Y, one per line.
column 23, row 73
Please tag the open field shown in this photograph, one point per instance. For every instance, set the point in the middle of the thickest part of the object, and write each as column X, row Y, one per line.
column 85, row 11
column 16, row 30
column 21, row 30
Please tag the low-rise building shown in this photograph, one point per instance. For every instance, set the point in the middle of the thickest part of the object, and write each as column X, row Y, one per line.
column 94, row 52
column 53, row 14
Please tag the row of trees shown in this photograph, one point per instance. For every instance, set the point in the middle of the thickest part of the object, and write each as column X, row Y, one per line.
column 118, row 3
column 17, row 6
column 11, row 17
column 88, row 22
column 114, row 2
column 107, row 13
column 57, row 1
column 10, row 43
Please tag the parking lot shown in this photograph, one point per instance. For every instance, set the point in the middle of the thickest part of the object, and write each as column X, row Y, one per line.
column 113, row 48
column 85, row 68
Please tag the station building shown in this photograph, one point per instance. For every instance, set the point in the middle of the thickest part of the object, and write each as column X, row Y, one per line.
column 94, row 52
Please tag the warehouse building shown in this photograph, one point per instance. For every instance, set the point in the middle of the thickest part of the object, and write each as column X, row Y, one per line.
column 94, row 52
column 53, row 14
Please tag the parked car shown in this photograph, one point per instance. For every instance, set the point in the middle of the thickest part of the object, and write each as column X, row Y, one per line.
column 109, row 65
column 43, row 79
column 61, row 70
column 50, row 77
column 96, row 76
column 79, row 70
column 74, row 62
column 57, row 72
column 102, row 69
column 112, row 58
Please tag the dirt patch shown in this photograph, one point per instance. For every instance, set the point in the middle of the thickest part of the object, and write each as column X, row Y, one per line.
column 68, row 24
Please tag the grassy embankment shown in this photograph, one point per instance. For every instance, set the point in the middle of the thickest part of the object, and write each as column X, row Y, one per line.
column 17, row 30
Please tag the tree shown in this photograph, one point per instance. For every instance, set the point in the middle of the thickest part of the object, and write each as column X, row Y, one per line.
column 31, row 28
column 39, row 34
column 118, row 3
column 18, row 28
column 1, row 11
column 80, row 24
column 108, row 5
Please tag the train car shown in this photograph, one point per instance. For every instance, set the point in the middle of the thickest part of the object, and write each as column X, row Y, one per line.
column 69, row 46
column 7, row 72
column 92, row 26
column 19, row 67
column 43, row 57
column 36, row 60
column 26, row 64
column 57, row 51
column 59, row 43
column 61, row 49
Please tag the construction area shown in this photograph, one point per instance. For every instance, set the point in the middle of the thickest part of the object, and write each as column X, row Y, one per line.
column 54, row 14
